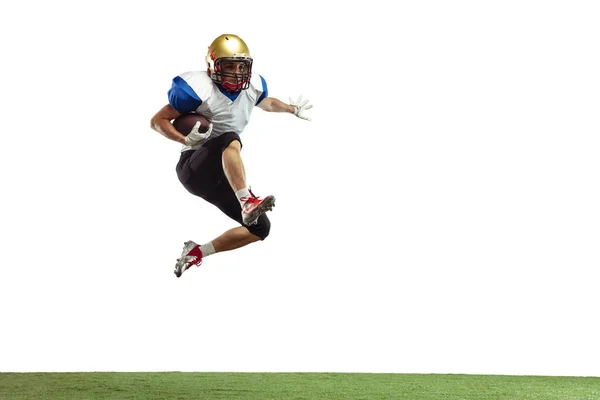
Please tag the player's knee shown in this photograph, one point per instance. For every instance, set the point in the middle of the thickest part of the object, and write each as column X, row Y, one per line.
column 262, row 228
column 234, row 145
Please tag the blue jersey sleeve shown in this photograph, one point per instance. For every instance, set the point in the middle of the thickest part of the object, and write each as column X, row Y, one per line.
column 265, row 91
column 182, row 97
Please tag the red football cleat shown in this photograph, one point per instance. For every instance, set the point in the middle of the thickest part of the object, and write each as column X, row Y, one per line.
column 254, row 207
column 190, row 256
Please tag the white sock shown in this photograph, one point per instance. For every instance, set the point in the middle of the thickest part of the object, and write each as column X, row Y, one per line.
column 207, row 249
column 242, row 193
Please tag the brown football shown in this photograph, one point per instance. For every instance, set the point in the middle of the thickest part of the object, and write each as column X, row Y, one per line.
column 186, row 122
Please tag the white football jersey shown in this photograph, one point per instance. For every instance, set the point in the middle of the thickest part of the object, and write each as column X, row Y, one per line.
column 194, row 91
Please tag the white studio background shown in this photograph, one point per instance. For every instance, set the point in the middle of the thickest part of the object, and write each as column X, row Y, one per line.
column 438, row 215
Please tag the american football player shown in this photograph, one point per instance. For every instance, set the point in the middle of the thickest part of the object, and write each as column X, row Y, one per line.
column 210, row 165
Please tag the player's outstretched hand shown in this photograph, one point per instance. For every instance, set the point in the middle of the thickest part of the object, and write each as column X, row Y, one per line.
column 195, row 137
column 300, row 106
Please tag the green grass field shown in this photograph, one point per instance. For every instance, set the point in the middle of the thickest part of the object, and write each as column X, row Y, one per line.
column 292, row 386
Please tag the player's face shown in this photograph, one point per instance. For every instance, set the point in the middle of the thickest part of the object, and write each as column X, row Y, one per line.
column 234, row 74
column 230, row 69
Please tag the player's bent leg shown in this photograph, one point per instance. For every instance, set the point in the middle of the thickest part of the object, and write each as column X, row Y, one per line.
column 234, row 239
column 242, row 236
column 230, row 240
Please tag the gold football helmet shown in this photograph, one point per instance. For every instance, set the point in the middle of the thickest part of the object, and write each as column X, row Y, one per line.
column 225, row 50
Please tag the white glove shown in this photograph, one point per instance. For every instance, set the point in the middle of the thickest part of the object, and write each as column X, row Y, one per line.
column 299, row 107
column 196, row 138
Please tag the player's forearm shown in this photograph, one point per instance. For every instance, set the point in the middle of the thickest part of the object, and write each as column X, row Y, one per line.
column 276, row 105
column 166, row 128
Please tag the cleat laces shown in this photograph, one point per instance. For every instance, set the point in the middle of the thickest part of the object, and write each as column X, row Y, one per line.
column 252, row 199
